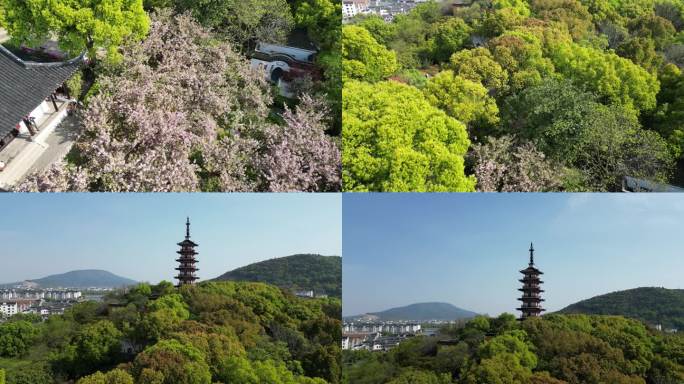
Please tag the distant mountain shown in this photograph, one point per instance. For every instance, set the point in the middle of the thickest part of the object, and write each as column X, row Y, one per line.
column 87, row 278
column 651, row 305
column 419, row 312
column 322, row 274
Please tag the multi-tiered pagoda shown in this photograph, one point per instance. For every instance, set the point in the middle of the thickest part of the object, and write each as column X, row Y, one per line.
column 186, row 268
column 531, row 298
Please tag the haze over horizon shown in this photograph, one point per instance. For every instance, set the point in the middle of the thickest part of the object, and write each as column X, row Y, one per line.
column 135, row 235
column 467, row 249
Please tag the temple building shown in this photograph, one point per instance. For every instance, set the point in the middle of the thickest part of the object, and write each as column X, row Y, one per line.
column 531, row 298
column 187, row 260
column 33, row 101
column 283, row 65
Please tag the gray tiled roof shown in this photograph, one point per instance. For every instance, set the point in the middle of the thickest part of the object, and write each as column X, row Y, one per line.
column 24, row 85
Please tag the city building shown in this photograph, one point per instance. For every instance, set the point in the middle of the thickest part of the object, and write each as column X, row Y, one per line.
column 309, row 294
column 351, row 8
column 8, row 309
column 531, row 298
column 187, row 260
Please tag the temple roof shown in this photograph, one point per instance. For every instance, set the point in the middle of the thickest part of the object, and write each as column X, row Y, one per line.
column 25, row 84
column 531, row 271
column 188, row 243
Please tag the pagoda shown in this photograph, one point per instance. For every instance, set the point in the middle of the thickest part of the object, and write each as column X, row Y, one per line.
column 531, row 298
column 186, row 268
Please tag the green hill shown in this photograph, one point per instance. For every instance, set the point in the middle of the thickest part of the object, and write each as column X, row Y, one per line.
column 87, row 278
column 649, row 304
column 322, row 274
column 420, row 312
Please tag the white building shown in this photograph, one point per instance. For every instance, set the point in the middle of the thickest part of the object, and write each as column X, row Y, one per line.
column 282, row 64
column 8, row 309
column 351, row 8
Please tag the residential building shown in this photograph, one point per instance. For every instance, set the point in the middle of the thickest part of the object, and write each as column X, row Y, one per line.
column 351, row 8
column 8, row 309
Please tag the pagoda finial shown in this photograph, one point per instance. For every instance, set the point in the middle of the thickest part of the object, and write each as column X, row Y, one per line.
column 531, row 254
column 187, row 228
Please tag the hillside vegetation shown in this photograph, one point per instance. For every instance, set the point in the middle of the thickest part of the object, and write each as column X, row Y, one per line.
column 652, row 305
column 514, row 95
column 323, row 274
column 555, row 349
column 216, row 332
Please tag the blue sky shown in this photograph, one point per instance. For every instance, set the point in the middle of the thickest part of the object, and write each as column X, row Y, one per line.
column 135, row 235
column 467, row 249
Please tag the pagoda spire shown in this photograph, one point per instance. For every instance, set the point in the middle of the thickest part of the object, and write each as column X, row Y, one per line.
column 187, row 259
column 531, row 254
column 531, row 290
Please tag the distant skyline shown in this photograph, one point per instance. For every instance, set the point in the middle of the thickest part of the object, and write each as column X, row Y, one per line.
column 135, row 235
column 467, row 249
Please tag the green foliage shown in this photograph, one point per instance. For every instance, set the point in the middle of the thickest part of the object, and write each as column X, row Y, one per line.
column 363, row 58
column 553, row 349
column 462, row 99
column 652, row 305
column 2, row 376
column 321, row 18
column 244, row 22
column 394, row 140
column 78, row 24
column 116, row 376
column 178, row 362
column 478, row 65
column 297, row 272
column 623, row 57
column 16, row 338
column 75, row 84
column 572, row 128
column 615, row 79
column 447, row 37
column 213, row 332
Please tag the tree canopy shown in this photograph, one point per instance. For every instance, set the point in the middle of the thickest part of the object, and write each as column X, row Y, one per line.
column 553, row 349
column 395, row 140
column 79, row 25
column 477, row 62
column 213, row 332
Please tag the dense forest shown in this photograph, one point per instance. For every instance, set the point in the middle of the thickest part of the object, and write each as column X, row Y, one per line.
column 553, row 349
column 322, row 274
column 216, row 332
column 652, row 305
column 514, row 95
column 169, row 101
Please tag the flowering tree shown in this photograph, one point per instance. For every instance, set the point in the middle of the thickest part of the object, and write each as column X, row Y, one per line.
column 502, row 166
column 184, row 112
column 300, row 156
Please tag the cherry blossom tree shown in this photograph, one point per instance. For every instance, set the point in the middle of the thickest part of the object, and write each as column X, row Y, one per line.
column 184, row 112
column 299, row 156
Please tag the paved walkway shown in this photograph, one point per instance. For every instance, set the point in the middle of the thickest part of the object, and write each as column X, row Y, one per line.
column 25, row 155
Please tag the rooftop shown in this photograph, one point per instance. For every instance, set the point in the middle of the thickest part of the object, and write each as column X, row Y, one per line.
column 25, row 84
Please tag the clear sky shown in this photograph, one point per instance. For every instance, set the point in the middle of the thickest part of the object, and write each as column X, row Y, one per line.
column 467, row 249
column 135, row 235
